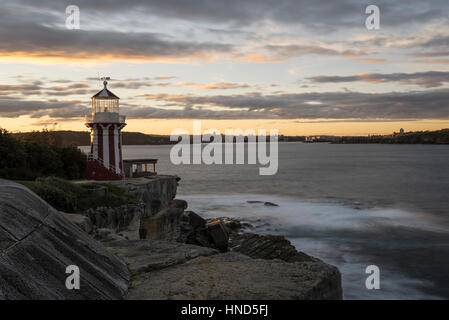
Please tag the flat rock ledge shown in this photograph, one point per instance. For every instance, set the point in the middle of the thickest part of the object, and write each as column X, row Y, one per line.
column 166, row 270
column 144, row 256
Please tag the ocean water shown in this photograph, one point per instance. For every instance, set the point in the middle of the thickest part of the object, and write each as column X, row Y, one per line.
column 349, row 205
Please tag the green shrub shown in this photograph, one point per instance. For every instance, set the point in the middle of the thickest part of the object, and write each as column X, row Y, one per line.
column 73, row 161
column 66, row 196
column 17, row 174
column 26, row 160
column 55, row 196
column 66, row 186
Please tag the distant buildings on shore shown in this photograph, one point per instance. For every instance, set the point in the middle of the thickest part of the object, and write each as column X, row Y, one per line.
column 310, row 139
column 400, row 133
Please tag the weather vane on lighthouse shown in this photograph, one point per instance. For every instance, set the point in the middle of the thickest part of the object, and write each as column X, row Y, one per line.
column 105, row 160
column 105, row 80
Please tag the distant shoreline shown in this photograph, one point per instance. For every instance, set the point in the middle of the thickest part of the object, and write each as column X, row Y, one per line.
column 82, row 138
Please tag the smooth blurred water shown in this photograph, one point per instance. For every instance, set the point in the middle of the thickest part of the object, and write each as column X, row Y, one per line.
column 350, row 205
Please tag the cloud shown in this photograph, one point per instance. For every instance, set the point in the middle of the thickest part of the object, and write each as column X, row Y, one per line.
column 430, row 104
column 251, row 30
column 137, row 84
column 224, row 86
column 26, row 89
column 74, row 88
column 165, row 77
column 12, row 107
column 432, row 61
column 32, row 87
column 327, row 15
column 429, row 79
column 276, row 53
column 330, row 105
column 436, row 41
column 33, row 40
column 214, row 85
column 134, row 84
column 187, row 30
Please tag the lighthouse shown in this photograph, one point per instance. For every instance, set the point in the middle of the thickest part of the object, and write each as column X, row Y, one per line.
column 105, row 158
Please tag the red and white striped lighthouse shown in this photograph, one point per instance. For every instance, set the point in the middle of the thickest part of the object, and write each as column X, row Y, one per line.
column 105, row 158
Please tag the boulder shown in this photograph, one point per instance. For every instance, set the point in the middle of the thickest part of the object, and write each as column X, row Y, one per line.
column 194, row 219
column 270, row 204
column 218, row 234
column 231, row 224
column 266, row 247
column 38, row 243
column 201, row 237
column 177, row 203
column 165, row 225
column 173, row 224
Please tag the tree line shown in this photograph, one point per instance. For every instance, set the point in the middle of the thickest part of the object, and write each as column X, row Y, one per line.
column 30, row 158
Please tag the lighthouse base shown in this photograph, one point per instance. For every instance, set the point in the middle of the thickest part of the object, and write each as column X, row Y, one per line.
column 96, row 171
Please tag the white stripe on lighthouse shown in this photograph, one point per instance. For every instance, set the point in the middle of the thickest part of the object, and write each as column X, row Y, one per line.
column 116, row 153
column 106, row 146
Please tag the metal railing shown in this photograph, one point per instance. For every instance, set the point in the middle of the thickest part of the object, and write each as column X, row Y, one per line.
column 90, row 157
column 107, row 117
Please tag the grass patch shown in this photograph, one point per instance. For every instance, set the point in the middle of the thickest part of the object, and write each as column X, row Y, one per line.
column 70, row 197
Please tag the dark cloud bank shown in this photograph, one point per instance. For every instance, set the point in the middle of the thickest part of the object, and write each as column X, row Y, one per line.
column 332, row 105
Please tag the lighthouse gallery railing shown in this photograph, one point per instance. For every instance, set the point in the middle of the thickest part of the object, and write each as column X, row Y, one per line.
column 90, row 157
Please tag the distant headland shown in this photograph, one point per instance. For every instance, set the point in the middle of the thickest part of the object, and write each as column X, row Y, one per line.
column 82, row 138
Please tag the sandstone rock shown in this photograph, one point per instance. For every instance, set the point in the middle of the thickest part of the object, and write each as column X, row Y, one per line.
column 194, row 220
column 177, row 203
column 173, row 224
column 231, row 224
column 142, row 233
column 37, row 243
column 107, row 235
column 81, row 221
column 233, row 276
column 266, row 247
column 270, row 204
column 165, row 225
column 155, row 206
column 125, row 219
column 150, row 255
column 218, row 234
column 154, row 191
column 200, row 237
column 103, row 232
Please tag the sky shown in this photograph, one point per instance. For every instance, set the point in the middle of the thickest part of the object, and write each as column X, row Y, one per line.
column 304, row 67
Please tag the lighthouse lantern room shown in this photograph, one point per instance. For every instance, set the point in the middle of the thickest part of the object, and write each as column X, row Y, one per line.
column 105, row 158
